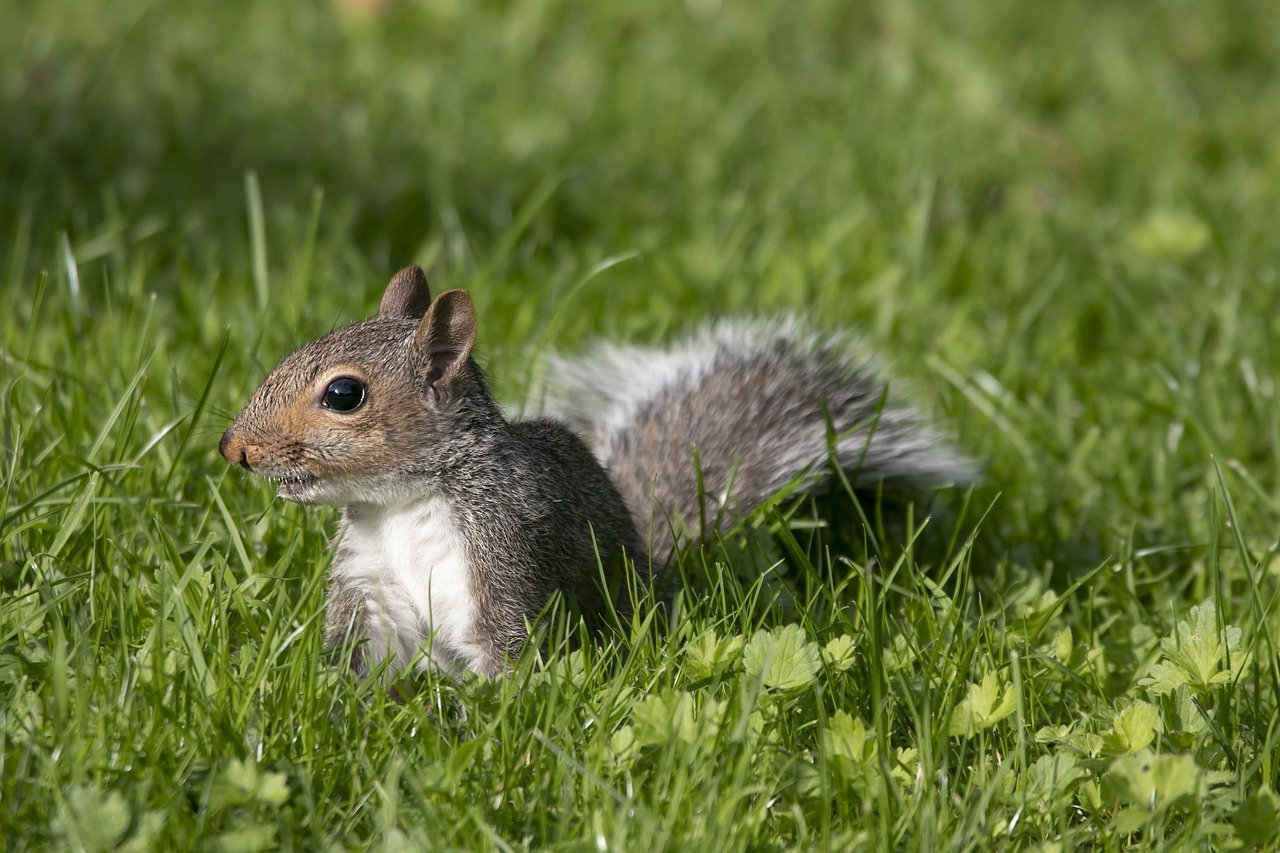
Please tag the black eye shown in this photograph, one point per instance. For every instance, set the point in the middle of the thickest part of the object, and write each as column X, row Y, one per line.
column 344, row 394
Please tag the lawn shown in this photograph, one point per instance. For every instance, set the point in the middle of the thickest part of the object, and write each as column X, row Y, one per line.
column 1055, row 222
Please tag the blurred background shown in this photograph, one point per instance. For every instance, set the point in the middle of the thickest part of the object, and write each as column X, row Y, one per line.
column 1056, row 222
column 653, row 127
column 1056, row 219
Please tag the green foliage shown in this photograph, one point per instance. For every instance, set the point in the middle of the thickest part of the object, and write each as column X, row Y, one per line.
column 241, row 784
column 91, row 819
column 1198, row 655
column 1064, row 244
column 1170, row 235
column 1257, row 821
column 1134, row 729
column 986, row 704
column 783, row 660
column 708, row 655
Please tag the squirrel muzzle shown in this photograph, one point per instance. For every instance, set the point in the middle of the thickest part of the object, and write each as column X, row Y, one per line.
column 234, row 449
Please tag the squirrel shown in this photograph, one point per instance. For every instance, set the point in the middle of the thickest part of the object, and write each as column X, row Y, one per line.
column 459, row 524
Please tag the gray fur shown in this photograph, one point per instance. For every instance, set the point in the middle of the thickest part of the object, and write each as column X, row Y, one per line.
column 532, row 504
column 756, row 399
column 536, row 511
column 529, row 498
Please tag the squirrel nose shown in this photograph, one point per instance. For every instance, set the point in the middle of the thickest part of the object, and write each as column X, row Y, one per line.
column 234, row 450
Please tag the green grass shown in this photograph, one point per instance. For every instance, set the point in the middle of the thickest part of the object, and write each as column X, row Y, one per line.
column 1057, row 222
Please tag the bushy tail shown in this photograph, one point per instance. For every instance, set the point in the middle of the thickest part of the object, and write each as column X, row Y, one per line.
column 753, row 401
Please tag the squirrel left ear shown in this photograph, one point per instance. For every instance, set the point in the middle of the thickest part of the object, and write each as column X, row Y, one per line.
column 445, row 337
column 407, row 295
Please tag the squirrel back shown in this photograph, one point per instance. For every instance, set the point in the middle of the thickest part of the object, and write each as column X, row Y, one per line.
column 747, row 407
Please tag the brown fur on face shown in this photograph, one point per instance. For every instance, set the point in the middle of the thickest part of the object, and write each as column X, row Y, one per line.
column 285, row 431
column 416, row 373
column 414, row 361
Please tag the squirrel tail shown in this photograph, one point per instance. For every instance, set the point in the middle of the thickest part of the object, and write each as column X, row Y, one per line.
column 700, row 432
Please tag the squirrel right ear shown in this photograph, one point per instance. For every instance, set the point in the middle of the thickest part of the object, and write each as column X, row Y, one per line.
column 444, row 338
column 407, row 295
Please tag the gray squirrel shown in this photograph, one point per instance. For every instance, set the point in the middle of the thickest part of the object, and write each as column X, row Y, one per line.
column 459, row 525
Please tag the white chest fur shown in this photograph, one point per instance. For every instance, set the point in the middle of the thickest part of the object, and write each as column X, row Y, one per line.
column 411, row 565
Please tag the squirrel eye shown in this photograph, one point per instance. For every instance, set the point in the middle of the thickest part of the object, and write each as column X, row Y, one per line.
column 344, row 394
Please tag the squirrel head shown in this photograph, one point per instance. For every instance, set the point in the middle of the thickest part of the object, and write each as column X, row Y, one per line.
column 353, row 417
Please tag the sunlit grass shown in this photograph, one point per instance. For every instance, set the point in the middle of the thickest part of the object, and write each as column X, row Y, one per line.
column 1055, row 225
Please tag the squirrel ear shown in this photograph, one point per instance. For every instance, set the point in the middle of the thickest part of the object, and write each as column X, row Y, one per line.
column 407, row 295
column 444, row 338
